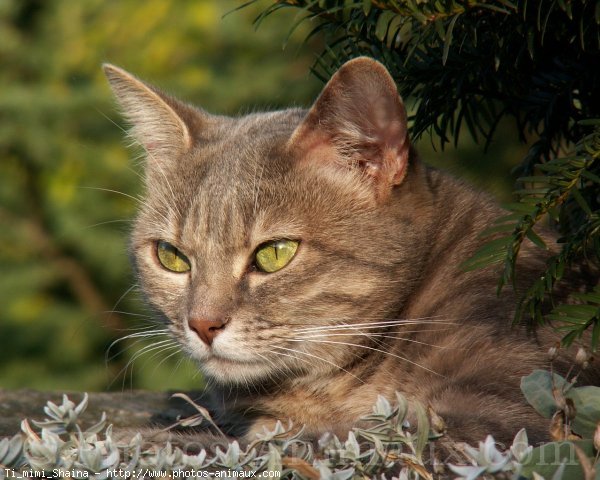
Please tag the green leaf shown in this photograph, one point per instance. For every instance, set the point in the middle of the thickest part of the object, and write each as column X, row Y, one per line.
column 366, row 7
column 500, row 228
column 585, row 311
column 536, row 239
column 448, row 39
column 537, row 388
column 531, row 191
column 520, row 208
column 383, row 23
column 587, row 403
column 581, row 202
column 422, row 429
column 595, row 336
column 531, row 43
column 570, row 337
column 509, row 4
column 489, row 253
column 548, row 458
column 402, row 408
column 589, row 175
column 533, row 179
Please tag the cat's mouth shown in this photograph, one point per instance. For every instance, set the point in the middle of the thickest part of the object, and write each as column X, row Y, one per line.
column 232, row 369
column 217, row 357
column 225, row 358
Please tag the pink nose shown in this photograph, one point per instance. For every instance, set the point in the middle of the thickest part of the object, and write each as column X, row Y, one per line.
column 207, row 330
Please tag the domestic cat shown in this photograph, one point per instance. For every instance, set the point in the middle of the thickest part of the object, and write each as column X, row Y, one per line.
column 310, row 261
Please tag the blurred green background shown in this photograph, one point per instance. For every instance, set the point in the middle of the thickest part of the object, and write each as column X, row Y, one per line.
column 66, row 288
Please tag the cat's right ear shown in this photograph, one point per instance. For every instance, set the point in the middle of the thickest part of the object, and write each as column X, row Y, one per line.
column 157, row 120
column 358, row 122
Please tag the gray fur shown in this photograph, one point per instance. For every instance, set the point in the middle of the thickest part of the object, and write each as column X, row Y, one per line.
column 382, row 239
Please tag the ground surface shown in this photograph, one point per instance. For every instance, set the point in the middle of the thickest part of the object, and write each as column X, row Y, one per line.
column 131, row 409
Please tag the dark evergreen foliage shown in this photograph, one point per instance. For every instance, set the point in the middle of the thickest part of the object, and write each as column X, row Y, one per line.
column 468, row 64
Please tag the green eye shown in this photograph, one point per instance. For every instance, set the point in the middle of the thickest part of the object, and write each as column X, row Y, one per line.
column 171, row 258
column 273, row 256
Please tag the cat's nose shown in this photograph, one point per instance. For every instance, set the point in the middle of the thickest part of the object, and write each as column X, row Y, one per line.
column 207, row 330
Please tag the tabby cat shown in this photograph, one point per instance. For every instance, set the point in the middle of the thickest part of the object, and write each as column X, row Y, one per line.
column 309, row 261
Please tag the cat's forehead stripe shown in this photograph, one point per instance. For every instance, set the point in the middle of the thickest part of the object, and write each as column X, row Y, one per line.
column 215, row 220
column 236, row 182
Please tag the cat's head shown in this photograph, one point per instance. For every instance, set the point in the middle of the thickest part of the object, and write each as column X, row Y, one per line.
column 258, row 233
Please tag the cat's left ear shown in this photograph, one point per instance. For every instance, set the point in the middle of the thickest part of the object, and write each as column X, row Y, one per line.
column 360, row 120
column 158, row 120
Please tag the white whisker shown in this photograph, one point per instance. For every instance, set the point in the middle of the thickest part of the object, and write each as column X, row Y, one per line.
column 369, row 348
column 140, row 336
column 294, row 357
column 167, row 357
column 136, row 199
column 400, row 332
column 147, row 349
column 371, row 335
column 105, row 223
column 141, row 201
column 319, row 358
column 121, row 312
column 122, row 297
column 371, row 325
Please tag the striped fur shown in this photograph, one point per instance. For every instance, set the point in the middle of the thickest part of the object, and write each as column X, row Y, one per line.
column 375, row 300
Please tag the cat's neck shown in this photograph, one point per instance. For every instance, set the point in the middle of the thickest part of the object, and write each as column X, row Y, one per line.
column 453, row 217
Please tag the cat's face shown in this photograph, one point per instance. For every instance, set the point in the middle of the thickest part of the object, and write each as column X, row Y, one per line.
column 259, row 233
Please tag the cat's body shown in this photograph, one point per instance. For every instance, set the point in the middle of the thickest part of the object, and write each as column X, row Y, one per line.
column 372, row 299
column 460, row 355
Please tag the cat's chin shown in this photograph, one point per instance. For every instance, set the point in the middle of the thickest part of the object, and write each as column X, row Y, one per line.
column 232, row 371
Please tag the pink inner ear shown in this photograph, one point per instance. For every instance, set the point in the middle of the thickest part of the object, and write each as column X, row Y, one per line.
column 397, row 151
column 317, row 147
column 395, row 133
column 359, row 120
column 380, row 152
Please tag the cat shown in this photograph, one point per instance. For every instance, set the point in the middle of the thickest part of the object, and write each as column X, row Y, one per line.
column 309, row 261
